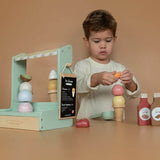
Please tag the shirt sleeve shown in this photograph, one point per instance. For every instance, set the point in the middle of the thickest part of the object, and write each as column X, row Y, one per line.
column 83, row 73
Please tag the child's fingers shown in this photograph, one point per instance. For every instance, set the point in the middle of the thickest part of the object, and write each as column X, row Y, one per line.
column 125, row 73
column 126, row 77
column 114, row 72
column 109, row 78
column 126, row 81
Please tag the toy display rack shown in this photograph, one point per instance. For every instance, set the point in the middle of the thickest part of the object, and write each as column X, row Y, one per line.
column 45, row 115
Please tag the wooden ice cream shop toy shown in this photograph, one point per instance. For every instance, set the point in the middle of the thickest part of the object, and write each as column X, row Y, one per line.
column 42, row 115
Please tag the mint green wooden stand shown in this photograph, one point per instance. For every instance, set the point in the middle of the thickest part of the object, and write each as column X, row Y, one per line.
column 46, row 112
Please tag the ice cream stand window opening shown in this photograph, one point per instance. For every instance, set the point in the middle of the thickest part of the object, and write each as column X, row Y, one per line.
column 44, row 78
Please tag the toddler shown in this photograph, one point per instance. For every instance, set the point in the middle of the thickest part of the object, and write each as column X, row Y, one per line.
column 95, row 74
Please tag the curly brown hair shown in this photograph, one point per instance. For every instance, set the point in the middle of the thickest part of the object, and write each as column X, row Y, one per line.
column 99, row 20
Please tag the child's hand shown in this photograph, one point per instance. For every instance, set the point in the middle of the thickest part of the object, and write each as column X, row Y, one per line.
column 104, row 78
column 127, row 79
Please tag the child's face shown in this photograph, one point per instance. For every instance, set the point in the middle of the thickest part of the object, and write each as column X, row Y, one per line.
column 100, row 45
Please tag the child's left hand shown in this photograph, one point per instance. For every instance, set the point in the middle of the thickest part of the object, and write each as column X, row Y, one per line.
column 126, row 77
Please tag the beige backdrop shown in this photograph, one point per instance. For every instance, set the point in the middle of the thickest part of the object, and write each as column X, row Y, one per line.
column 35, row 25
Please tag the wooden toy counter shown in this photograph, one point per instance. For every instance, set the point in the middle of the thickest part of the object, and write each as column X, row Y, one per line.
column 106, row 140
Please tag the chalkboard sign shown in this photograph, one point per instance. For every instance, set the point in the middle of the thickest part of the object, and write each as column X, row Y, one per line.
column 68, row 98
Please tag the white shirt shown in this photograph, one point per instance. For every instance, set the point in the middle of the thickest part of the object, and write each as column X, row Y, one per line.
column 96, row 100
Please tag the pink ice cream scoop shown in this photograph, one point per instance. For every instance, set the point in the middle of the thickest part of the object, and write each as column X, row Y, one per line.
column 25, row 107
column 117, row 90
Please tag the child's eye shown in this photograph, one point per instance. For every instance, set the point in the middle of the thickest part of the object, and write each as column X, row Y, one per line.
column 96, row 41
column 108, row 40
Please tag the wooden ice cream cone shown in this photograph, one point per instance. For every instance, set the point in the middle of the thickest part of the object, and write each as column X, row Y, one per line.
column 53, row 95
column 118, row 113
column 118, row 105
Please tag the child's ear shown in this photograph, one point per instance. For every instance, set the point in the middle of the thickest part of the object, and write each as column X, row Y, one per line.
column 115, row 38
column 85, row 40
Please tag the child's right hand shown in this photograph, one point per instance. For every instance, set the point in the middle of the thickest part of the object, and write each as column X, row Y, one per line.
column 104, row 78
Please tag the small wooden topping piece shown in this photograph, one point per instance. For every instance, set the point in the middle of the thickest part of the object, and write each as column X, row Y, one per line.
column 25, row 78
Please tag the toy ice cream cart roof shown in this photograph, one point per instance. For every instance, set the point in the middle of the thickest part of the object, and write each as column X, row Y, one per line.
column 24, row 56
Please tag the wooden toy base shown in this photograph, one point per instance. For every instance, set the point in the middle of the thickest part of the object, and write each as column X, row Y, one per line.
column 44, row 117
column 29, row 123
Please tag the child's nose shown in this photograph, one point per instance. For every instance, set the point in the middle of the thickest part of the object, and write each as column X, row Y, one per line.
column 103, row 44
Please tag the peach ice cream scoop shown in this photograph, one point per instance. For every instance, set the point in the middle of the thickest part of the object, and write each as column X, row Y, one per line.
column 118, row 101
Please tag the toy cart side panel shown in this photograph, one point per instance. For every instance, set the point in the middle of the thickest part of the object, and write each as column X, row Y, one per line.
column 50, row 120
column 18, row 67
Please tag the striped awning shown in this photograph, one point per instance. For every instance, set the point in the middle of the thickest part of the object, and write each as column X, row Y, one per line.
column 24, row 56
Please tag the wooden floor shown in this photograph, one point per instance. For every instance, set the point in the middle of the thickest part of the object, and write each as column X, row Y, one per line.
column 108, row 140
